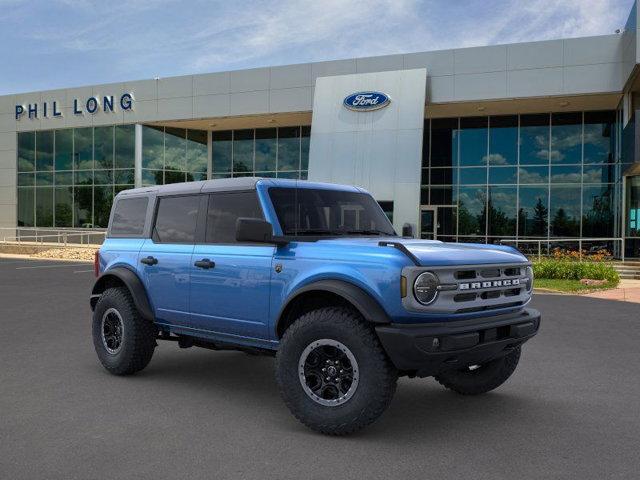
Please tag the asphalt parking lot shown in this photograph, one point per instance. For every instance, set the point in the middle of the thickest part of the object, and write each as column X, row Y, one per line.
column 570, row 411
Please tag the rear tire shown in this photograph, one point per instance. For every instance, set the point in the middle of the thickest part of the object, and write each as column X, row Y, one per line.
column 484, row 378
column 359, row 382
column 124, row 341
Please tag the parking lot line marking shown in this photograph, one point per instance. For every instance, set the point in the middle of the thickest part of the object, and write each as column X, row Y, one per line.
column 13, row 262
column 83, row 271
column 52, row 266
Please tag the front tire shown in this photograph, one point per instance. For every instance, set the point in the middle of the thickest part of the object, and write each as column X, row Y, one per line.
column 333, row 373
column 123, row 340
column 481, row 378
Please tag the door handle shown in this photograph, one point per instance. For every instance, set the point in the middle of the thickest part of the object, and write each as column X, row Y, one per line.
column 149, row 260
column 205, row 263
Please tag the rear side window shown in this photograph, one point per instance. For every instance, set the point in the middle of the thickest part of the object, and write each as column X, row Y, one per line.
column 224, row 209
column 129, row 216
column 176, row 219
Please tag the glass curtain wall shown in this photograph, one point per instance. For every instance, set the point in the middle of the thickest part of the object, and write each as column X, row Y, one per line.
column 68, row 177
column 542, row 176
column 172, row 155
column 281, row 152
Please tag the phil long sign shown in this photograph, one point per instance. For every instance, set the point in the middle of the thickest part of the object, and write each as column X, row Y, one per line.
column 91, row 105
column 366, row 101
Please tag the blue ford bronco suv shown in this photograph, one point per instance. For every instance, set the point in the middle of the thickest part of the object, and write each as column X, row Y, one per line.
column 315, row 275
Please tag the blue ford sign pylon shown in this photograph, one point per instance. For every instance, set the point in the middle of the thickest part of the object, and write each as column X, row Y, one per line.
column 366, row 101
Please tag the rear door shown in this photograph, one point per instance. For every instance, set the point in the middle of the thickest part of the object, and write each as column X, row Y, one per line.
column 165, row 258
column 230, row 282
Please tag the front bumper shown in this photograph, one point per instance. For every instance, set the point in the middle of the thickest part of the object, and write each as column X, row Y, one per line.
column 427, row 349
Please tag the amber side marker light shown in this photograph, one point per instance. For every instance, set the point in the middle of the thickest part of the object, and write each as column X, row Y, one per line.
column 403, row 286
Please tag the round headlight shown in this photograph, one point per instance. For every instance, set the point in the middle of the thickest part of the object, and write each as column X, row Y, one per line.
column 529, row 274
column 425, row 288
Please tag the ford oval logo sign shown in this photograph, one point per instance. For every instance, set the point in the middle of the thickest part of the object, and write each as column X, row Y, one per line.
column 366, row 101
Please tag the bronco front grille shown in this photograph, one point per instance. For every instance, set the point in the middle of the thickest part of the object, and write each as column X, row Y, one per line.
column 474, row 288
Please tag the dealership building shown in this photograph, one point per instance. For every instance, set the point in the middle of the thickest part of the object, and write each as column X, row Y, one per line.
column 531, row 144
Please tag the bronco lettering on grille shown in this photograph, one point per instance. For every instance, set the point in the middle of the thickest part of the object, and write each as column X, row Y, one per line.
column 491, row 284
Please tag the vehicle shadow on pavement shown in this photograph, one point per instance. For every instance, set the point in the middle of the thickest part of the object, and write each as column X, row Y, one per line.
column 246, row 384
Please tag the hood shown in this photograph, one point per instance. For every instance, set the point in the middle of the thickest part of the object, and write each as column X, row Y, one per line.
column 433, row 253
column 436, row 253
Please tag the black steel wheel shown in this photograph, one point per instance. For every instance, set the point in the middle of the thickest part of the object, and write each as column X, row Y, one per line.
column 328, row 372
column 112, row 331
column 332, row 371
column 123, row 340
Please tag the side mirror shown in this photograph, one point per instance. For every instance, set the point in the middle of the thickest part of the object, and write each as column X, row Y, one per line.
column 253, row 230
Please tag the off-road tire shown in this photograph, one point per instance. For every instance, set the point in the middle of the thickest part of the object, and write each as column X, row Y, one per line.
column 138, row 339
column 482, row 380
column 377, row 376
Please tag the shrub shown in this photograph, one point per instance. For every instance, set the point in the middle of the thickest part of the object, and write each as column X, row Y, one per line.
column 575, row 270
column 575, row 255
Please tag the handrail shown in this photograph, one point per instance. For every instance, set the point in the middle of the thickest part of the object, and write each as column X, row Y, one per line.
column 551, row 241
column 45, row 235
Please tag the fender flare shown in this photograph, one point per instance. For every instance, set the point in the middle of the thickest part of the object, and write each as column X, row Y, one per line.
column 133, row 284
column 367, row 306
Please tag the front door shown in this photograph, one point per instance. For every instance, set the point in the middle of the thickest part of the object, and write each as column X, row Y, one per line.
column 165, row 259
column 231, row 282
column 428, row 222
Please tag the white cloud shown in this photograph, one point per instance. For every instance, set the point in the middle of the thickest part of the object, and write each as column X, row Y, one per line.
column 142, row 38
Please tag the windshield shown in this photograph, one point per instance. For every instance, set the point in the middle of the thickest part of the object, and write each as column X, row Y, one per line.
column 318, row 212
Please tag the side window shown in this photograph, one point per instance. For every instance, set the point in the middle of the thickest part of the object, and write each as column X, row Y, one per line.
column 224, row 209
column 129, row 216
column 176, row 219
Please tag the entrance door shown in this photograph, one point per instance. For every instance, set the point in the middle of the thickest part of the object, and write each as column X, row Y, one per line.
column 428, row 223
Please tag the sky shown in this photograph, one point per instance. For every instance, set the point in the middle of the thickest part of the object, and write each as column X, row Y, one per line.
column 48, row 44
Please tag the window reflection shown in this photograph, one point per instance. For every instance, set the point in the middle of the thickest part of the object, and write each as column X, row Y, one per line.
column 26, row 151
column 268, row 152
column 503, row 175
column 473, row 176
column 533, row 211
column 598, row 137
column 266, row 147
column 222, row 149
column 74, row 179
column 175, row 151
column 83, row 148
column 197, row 154
column 503, row 141
column 473, row 141
column 63, row 159
column 103, row 147
column 566, row 174
column 243, row 151
column 288, row 148
column 564, row 212
column 566, row 138
column 501, row 211
column 44, row 150
column 444, row 146
column 534, row 175
column 534, row 139
column 546, row 165
column 26, row 207
column 471, row 211
column 597, row 211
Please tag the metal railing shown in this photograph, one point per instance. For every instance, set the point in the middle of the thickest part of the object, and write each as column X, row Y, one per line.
column 545, row 247
column 52, row 236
